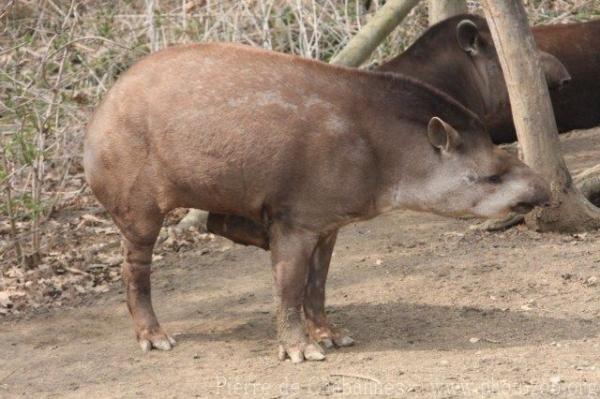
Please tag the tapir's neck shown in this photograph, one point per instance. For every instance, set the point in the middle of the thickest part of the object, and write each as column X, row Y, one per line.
column 393, row 118
column 452, row 73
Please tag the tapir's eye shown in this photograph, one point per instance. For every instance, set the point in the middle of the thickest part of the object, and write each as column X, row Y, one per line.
column 494, row 179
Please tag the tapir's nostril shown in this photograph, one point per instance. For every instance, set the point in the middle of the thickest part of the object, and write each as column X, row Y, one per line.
column 544, row 199
column 542, row 195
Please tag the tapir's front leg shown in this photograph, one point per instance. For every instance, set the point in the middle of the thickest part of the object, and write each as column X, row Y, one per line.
column 319, row 328
column 291, row 251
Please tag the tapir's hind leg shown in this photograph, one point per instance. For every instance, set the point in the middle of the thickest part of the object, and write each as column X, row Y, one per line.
column 139, row 235
column 319, row 328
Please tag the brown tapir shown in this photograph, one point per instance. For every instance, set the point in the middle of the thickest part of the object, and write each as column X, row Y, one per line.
column 458, row 56
column 295, row 145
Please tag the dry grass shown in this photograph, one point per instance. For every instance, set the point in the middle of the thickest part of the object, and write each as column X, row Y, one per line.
column 58, row 57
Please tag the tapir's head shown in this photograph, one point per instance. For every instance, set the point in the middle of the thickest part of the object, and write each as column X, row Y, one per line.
column 471, row 176
column 475, row 41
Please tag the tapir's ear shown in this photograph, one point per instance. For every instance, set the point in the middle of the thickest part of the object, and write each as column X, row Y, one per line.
column 467, row 35
column 441, row 135
column 557, row 75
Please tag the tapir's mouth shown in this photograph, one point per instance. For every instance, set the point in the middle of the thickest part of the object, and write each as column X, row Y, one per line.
column 522, row 208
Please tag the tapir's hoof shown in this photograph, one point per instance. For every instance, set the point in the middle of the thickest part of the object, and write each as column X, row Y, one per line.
column 339, row 341
column 157, row 339
column 301, row 352
column 329, row 337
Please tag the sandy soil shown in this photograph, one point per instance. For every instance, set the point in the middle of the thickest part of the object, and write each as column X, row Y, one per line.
column 437, row 310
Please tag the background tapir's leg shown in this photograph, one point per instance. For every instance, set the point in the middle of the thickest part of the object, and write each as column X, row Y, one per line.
column 238, row 229
column 318, row 326
column 138, row 241
column 291, row 251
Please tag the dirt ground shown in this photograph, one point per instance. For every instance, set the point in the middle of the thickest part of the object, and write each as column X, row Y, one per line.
column 437, row 310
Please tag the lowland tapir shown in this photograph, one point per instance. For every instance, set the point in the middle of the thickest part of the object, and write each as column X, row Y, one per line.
column 298, row 146
column 458, row 57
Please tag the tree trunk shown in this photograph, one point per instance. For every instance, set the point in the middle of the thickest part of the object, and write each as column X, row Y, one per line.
column 440, row 10
column 534, row 120
column 355, row 53
column 588, row 182
column 360, row 47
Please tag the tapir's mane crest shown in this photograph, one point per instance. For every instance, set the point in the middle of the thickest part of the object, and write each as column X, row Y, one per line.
column 426, row 96
column 439, row 103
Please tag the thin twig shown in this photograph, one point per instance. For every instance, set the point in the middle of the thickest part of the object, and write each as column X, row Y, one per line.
column 11, row 214
column 357, row 376
column 78, row 39
column 5, row 9
column 571, row 11
column 7, row 376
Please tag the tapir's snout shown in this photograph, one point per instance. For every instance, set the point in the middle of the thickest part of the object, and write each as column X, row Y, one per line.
column 538, row 194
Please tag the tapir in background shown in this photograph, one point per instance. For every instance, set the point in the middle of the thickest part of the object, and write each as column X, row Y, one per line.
column 297, row 146
column 458, row 57
column 464, row 65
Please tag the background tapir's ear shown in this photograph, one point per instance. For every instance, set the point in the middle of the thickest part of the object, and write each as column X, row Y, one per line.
column 467, row 35
column 441, row 135
column 557, row 75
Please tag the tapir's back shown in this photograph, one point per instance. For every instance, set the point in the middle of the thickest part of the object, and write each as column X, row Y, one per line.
column 223, row 124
